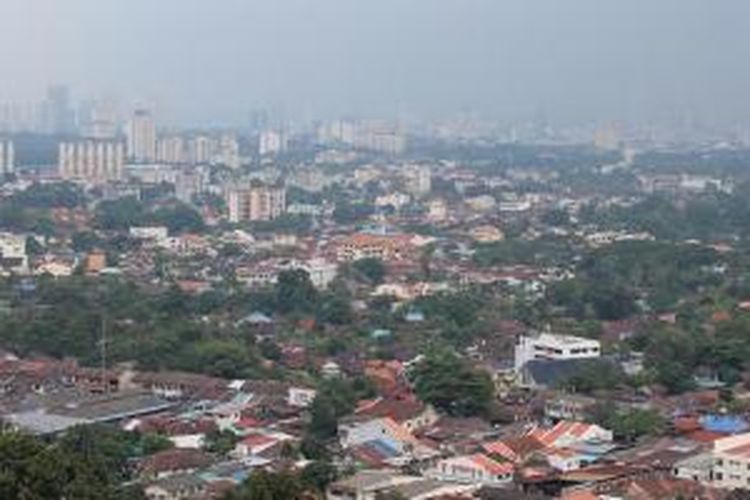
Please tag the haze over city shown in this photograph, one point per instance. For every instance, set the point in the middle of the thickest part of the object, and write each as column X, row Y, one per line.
column 374, row 249
column 200, row 61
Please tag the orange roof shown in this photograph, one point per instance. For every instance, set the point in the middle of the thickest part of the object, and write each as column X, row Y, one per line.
column 397, row 430
column 501, row 449
column 561, row 429
column 257, row 440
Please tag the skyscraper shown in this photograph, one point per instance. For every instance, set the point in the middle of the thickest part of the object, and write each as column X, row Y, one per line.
column 7, row 157
column 171, row 150
column 98, row 120
column 59, row 117
column 141, row 135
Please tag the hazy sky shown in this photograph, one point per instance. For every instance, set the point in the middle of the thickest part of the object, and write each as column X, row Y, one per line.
column 216, row 59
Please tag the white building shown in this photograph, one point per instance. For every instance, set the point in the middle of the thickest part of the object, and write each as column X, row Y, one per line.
column 396, row 200
column 731, row 468
column 258, row 203
column 419, row 180
column 13, row 252
column 155, row 233
column 200, row 150
column 228, row 153
column 171, row 150
column 321, row 272
column 551, row 346
column 475, row 469
column 91, row 161
column 141, row 135
column 272, row 142
column 7, row 156
column 300, row 397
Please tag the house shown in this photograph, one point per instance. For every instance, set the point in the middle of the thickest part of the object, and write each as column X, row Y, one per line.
column 407, row 411
column 568, row 407
column 486, row 234
column 383, row 247
column 731, row 456
column 256, row 443
column 367, row 485
column 384, row 441
column 178, row 487
column 565, row 446
column 567, row 433
column 476, row 469
column 152, row 233
column 174, row 461
column 300, row 397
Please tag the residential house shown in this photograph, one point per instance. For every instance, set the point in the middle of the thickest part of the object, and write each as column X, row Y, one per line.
column 472, row 469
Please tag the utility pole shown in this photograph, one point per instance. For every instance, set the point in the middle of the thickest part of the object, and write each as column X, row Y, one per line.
column 103, row 352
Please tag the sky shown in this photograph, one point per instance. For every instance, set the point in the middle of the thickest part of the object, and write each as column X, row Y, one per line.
column 214, row 60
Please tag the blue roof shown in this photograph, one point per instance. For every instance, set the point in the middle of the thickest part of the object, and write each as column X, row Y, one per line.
column 382, row 448
column 725, row 424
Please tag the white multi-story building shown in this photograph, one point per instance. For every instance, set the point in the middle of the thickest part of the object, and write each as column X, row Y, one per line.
column 13, row 253
column 228, row 153
column 272, row 142
column 99, row 120
column 731, row 468
column 255, row 203
column 91, row 161
column 141, row 134
column 554, row 347
column 200, row 150
column 419, row 180
column 171, row 149
column 7, row 157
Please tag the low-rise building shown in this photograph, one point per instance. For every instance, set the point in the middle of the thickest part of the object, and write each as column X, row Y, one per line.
column 548, row 346
column 476, row 469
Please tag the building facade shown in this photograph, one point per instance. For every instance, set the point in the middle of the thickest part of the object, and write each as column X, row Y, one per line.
column 260, row 203
column 7, row 157
column 93, row 161
column 141, row 134
column 548, row 346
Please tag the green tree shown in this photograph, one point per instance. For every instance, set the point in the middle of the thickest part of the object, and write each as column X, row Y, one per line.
column 452, row 385
column 295, row 292
column 371, row 269
column 262, row 485
column 318, row 475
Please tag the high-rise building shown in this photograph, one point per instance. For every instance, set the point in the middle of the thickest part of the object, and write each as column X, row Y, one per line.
column 59, row 117
column 141, row 135
column 255, row 203
column 98, row 120
column 200, row 150
column 419, row 180
column 272, row 142
column 7, row 157
column 91, row 161
column 229, row 152
column 171, row 150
